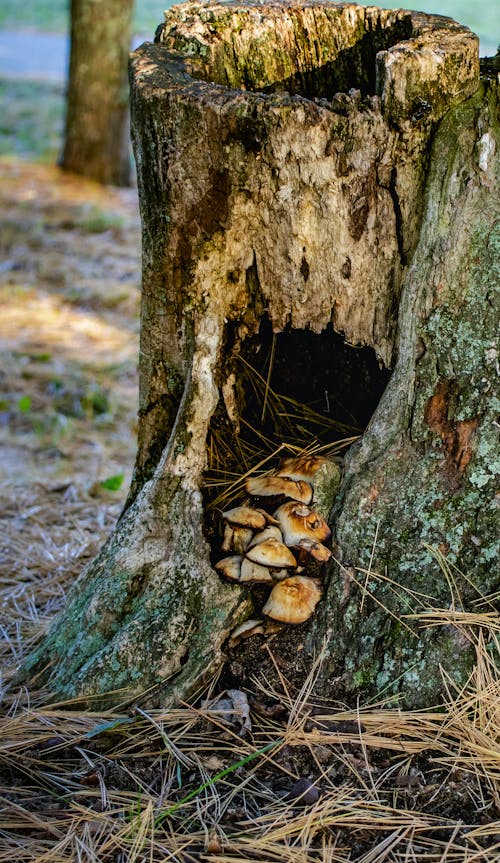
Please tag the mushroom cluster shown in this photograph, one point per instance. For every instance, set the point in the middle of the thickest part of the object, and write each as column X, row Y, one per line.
column 273, row 538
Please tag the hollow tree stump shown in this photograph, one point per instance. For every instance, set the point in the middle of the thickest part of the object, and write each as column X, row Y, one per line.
column 327, row 169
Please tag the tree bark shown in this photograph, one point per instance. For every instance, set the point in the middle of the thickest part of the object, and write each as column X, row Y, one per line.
column 97, row 112
column 267, row 191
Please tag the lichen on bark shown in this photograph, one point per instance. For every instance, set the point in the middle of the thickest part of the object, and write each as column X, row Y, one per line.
column 422, row 483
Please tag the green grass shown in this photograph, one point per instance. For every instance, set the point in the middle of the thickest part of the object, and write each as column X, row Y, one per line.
column 49, row 15
column 31, row 120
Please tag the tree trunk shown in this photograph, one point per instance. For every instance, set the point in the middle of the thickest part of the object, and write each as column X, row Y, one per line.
column 97, row 113
column 305, row 174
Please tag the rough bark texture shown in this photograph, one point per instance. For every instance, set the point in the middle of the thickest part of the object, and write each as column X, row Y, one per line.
column 265, row 189
column 425, row 473
column 97, row 113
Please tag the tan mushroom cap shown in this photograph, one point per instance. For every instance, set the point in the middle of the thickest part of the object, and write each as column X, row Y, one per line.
column 293, row 600
column 272, row 553
column 311, row 549
column 236, row 538
column 271, row 486
column 302, row 467
column 230, row 567
column 270, row 532
column 270, row 519
column 246, row 630
column 252, row 572
column 245, row 516
column 298, row 522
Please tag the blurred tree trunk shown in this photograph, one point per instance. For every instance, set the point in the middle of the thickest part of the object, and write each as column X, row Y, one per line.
column 97, row 115
column 267, row 193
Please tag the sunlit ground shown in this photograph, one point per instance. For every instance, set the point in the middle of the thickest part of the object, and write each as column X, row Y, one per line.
column 69, row 289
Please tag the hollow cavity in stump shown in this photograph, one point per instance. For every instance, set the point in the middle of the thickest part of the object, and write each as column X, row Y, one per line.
column 295, row 389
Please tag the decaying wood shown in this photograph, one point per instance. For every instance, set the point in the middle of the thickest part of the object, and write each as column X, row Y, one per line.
column 318, row 165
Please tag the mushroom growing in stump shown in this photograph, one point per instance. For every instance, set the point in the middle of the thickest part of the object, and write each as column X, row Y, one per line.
column 269, row 547
column 301, row 468
column 271, row 554
column 279, row 486
column 293, row 600
column 241, row 523
column 298, row 522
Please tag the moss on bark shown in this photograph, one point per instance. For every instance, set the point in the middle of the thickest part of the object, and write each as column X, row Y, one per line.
column 419, row 503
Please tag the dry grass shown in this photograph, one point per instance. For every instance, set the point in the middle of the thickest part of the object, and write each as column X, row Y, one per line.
column 177, row 785
column 182, row 784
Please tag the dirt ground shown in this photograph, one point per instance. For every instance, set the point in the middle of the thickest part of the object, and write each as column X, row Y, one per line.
column 69, row 310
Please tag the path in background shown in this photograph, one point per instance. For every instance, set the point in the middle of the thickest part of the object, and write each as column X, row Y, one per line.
column 27, row 54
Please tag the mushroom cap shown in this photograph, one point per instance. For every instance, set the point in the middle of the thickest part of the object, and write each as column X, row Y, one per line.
column 254, row 572
column 245, row 516
column 270, row 519
column 246, row 630
column 301, row 467
column 299, row 522
column 312, row 549
column 270, row 532
column 272, row 553
column 293, row 600
column 272, row 486
column 230, row 567
column 236, row 538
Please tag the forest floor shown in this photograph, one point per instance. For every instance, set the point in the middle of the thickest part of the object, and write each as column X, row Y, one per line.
column 297, row 780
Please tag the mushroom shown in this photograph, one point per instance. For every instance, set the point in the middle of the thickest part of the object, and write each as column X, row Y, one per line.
column 271, row 532
column 293, row 600
column 272, row 553
column 241, row 522
column 230, row 567
column 270, row 520
column 301, row 468
column 274, row 486
column 310, row 549
column 247, row 516
column 245, row 630
column 254, row 572
column 299, row 522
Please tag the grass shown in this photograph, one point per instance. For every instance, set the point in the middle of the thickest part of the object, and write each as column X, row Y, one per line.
column 32, row 118
column 183, row 784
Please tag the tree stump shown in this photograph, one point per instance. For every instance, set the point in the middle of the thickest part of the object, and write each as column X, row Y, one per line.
column 317, row 188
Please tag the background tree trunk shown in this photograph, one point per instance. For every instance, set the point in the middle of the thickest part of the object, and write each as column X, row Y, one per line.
column 97, row 114
column 292, row 207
